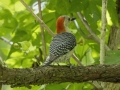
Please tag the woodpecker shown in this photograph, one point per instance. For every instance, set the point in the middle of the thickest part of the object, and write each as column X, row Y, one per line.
column 63, row 43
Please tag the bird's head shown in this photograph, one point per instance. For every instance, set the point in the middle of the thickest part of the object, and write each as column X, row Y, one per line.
column 62, row 23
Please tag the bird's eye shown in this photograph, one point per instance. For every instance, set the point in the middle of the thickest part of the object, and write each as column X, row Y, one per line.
column 68, row 19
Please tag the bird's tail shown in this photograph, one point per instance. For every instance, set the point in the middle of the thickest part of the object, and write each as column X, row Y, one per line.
column 47, row 61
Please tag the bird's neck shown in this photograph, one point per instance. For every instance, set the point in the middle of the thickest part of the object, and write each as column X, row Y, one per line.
column 62, row 28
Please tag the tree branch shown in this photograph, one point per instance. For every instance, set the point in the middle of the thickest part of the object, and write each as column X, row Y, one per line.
column 94, row 37
column 58, row 74
column 103, row 32
column 6, row 40
column 37, row 18
column 42, row 30
column 76, row 59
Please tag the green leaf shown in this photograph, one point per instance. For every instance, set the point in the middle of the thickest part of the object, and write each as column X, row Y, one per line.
column 87, row 58
column 62, row 6
column 112, row 57
column 112, row 11
column 52, row 4
column 78, row 5
column 54, row 86
column 76, row 86
column 25, row 45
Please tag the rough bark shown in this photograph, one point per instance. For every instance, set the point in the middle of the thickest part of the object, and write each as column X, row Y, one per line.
column 58, row 74
column 114, row 38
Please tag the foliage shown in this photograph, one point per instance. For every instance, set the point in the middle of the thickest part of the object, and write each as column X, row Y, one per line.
column 21, row 28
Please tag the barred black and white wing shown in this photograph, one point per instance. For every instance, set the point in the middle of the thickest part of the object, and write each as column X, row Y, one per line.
column 61, row 46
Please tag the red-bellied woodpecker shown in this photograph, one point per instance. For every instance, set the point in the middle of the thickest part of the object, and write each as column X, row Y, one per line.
column 62, row 45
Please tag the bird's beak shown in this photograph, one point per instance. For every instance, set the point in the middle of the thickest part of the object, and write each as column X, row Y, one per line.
column 73, row 18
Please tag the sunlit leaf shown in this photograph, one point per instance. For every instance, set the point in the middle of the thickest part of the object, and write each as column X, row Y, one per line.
column 112, row 57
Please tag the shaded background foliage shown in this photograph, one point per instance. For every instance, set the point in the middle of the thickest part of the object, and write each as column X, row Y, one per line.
column 20, row 27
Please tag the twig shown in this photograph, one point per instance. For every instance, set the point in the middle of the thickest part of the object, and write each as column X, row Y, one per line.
column 37, row 18
column 6, row 40
column 77, row 60
column 2, row 62
column 42, row 30
column 90, row 30
column 79, row 29
column 88, row 27
column 103, row 32
column 10, row 43
column 67, row 87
